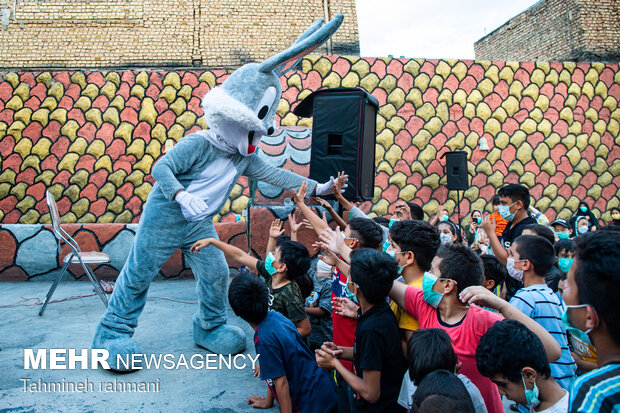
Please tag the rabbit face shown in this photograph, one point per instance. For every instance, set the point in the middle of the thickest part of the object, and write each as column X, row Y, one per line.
column 243, row 108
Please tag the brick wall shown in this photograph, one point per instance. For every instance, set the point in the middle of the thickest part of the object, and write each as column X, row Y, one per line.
column 557, row 30
column 180, row 33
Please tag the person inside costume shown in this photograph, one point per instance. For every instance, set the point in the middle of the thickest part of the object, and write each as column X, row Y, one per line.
column 193, row 181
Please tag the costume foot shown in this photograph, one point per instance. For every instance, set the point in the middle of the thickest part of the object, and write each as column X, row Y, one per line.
column 224, row 339
column 118, row 345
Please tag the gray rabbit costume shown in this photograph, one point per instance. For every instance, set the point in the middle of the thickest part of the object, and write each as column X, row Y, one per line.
column 194, row 179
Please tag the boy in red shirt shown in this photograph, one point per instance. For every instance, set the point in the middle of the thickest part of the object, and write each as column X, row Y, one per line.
column 457, row 270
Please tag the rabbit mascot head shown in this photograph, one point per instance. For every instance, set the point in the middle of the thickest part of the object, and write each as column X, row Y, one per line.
column 242, row 110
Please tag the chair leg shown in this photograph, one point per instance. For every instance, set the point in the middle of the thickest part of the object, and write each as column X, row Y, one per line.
column 96, row 284
column 54, row 285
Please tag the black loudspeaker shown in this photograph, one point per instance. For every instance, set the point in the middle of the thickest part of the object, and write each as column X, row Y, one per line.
column 343, row 137
column 456, row 170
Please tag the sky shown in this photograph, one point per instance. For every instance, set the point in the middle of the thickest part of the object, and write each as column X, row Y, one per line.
column 430, row 28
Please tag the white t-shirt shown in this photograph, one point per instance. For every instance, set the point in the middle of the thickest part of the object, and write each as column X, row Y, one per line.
column 560, row 407
column 407, row 389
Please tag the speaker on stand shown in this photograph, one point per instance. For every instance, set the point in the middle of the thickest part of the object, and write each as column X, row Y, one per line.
column 457, row 178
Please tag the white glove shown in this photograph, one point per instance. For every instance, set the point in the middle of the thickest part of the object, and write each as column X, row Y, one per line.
column 193, row 207
column 327, row 187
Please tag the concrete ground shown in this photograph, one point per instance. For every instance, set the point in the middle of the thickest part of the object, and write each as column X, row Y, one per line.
column 165, row 327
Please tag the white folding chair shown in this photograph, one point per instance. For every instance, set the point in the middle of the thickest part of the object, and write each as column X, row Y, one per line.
column 77, row 256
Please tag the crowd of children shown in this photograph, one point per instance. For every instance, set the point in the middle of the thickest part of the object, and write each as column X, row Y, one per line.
column 399, row 314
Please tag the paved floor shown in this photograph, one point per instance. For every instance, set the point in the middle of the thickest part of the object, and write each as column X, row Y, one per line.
column 165, row 327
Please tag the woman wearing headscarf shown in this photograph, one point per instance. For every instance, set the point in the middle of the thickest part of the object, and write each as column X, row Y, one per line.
column 584, row 211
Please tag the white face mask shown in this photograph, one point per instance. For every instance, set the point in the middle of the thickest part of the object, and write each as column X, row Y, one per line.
column 582, row 230
column 512, row 271
column 445, row 238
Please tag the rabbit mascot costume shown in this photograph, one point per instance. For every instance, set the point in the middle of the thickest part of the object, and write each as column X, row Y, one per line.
column 194, row 180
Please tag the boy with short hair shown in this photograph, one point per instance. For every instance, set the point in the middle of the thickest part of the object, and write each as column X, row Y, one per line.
column 529, row 257
column 561, row 228
column 494, row 273
column 554, row 276
column 377, row 355
column 514, row 359
column 453, row 284
column 593, row 308
column 286, row 363
column 414, row 245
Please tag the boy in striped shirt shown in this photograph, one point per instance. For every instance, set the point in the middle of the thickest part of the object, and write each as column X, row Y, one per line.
column 593, row 308
column 530, row 257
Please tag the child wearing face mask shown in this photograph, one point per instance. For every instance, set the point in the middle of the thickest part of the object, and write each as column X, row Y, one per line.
column 414, row 245
column 529, row 257
column 447, row 232
column 514, row 359
column 581, row 226
column 453, row 283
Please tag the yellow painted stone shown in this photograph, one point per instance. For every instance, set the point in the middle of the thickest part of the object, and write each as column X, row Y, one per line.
column 23, row 91
column 8, row 176
column 552, row 77
column 42, row 148
column 57, row 91
column 485, row 87
column 68, row 162
column 116, row 204
column 78, row 146
column 427, row 155
column 445, row 96
column 59, row 115
column 112, row 116
column 79, row 79
column 532, row 91
column 474, row 97
column 118, row 177
column 436, row 82
column 23, row 115
column 188, row 119
column 515, row 89
column 615, row 167
column 361, row 67
column 148, row 112
column 154, row 149
column 12, row 78
column 524, row 153
column 136, row 177
column 92, row 91
column 605, row 179
column 501, row 140
column 421, row 82
column 569, row 141
column 202, row 122
column 143, row 79
column 15, row 103
column 385, row 138
column 542, row 103
column 114, row 78
column 49, row 103
column 83, row 103
column 407, row 193
column 460, row 97
column 426, row 111
column 431, row 181
column 169, row 93
column 124, row 131
column 381, row 207
column 434, row 125
column 396, row 98
column 456, row 142
column 541, row 153
column 528, row 179
column 138, row 91
column 88, row 218
column 592, row 76
column 536, row 114
column 379, row 152
column 471, row 193
column 185, row 92
column 396, row 124
column 118, row 103
column 567, row 114
column 283, row 108
column 289, row 120
column 595, row 191
column 602, row 151
column 421, row 139
column 492, row 126
column 173, row 79
column 369, row 82
column 399, row 179
column 108, row 90
column 25, row 204
column 544, row 127
column 176, row 132
column 19, row 190
column 582, row 167
column 124, row 217
column 613, row 127
column 483, row 111
column 352, row 79
column 15, row 129
column 80, row 178
column 332, row 80
column 159, row 133
column 582, row 141
column 442, row 69
column 571, row 102
column 544, row 66
column 492, row 73
column 510, row 105
column 143, row 190
column 500, row 114
column 443, row 112
column 600, row 166
column 45, row 77
column 4, row 190
column 240, row 204
column 574, row 156
column 496, row 179
column 144, row 164
column 394, row 154
column 610, row 103
column 412, row 67
column 136, row 148
column 538, row 77
column 600, row 90
column 23, row 147
column 469, row 111
column 460, row 71
column 575, row 128
column 387, row 111
column 574, row 90
column 323, row 66
column 484, row 166
column 46, row 177
column 31, row 161
column 94, row 115
column 388, row 83
column 588, row 90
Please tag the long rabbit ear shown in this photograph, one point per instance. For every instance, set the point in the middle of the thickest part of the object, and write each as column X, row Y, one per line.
column 307, row 42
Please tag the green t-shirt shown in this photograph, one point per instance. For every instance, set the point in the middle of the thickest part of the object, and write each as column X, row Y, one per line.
column 286, row 300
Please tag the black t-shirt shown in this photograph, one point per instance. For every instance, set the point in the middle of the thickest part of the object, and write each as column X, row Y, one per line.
column 508, row 236
column 377, row 347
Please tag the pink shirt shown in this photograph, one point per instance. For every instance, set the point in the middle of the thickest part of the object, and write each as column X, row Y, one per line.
column 465, row 338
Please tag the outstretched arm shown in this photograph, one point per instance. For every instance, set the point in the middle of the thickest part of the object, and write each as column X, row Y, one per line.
column 230, row 251
column 262, row 171
column 317, row 223
column 339, row 221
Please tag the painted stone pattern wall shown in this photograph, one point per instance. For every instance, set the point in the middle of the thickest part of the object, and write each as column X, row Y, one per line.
column 92, row 137
column 159, row 33
column 558, row 30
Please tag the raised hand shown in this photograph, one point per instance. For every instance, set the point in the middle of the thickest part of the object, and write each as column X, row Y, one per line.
column 402, row 210
column 276, row 229
column 340, row 183
column 300, row 195
column 344, row 307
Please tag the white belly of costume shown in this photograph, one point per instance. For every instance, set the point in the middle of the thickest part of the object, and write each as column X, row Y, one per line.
column 213, row 183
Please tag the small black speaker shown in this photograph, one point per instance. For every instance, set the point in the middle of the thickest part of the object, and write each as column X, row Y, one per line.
column 343, row 137
column 456, row 170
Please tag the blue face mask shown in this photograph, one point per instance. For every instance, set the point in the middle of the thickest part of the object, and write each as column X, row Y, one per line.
column 563, row 235
column 504, row 211
column 582, row 345
column 386, row 245
column 583, row 209
column 393, row 255
column 392, row 221
column 350, row 295
column 269, row 264
column 445, row 218
column 432, row 297
column 564, row 264
column 531, row 396
column 478, row 221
